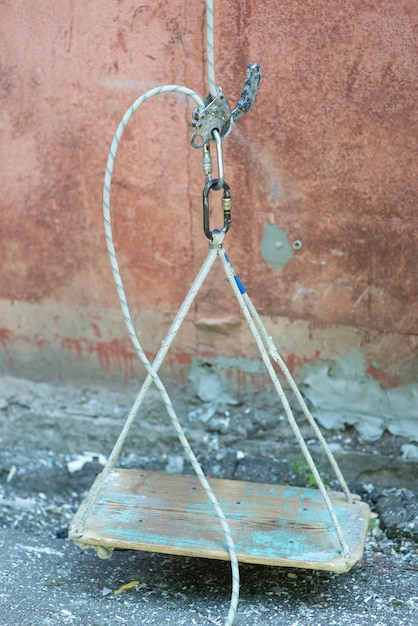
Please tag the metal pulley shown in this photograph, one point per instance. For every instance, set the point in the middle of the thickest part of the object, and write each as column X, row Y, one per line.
column 217, row 114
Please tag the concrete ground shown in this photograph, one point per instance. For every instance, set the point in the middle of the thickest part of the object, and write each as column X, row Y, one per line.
column 46, row 580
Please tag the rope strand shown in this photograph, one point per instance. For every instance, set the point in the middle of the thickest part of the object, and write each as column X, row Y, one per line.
column 152, row 369
column 213, row 89
column 239, row 292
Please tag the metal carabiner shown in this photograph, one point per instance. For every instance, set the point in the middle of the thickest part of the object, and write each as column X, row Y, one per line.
column 207, row 161
column 220, row 159
column 226, row 205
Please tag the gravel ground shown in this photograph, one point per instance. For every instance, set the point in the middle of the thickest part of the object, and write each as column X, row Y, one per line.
column 48, row 580
column 45, row 579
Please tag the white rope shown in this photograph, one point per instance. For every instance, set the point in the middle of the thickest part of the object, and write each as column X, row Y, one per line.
column 213, row 88
column 292, row 384
column 152, row 375
column 165, row 346
column 153, row 369
column 232, row 279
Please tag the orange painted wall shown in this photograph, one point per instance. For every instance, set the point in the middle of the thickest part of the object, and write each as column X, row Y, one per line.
column 327, row 156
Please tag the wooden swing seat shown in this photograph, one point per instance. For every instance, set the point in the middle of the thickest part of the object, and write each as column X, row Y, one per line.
column 270, row 524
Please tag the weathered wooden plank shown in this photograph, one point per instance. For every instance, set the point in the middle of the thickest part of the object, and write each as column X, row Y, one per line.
column 270, row 524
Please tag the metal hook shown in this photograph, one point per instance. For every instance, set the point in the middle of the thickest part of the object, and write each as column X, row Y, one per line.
column 226, row 205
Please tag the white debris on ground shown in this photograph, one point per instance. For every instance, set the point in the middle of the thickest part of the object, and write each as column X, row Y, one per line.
column 45, row 477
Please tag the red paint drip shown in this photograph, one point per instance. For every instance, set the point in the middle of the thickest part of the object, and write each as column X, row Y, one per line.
column 96, row 329
column 113, row 355
column 5, row 338
column 293, row 361
column 384, row 377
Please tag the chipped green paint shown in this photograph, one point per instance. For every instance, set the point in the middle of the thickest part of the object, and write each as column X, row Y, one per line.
column 270, row 524
column 276, row 538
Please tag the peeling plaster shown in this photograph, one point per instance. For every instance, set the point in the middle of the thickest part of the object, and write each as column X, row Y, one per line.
column 209, row 382
column 342, row 393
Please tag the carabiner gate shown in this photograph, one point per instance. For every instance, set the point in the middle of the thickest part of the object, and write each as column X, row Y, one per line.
column 226, row 205
column 220, row 159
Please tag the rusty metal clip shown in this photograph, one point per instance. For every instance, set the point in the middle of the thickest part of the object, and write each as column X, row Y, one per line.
column 215, row 116
column 226, row 205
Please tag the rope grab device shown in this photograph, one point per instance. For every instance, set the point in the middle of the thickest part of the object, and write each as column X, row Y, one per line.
column 261, row 523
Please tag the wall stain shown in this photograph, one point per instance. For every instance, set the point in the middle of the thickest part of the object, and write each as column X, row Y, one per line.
column 275, row 247
column 5, row 338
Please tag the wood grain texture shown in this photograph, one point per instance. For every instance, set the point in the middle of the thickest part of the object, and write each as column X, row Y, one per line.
column 270, row 524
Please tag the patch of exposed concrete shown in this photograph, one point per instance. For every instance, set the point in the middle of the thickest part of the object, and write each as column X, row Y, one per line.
column 70, row 419
column 275, row 247
column 342, row 393
column 209, row 383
